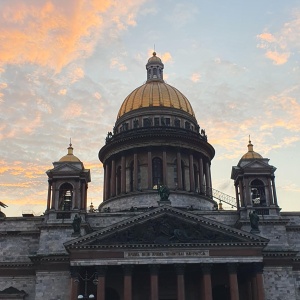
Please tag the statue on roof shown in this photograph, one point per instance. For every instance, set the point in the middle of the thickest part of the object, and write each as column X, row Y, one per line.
column 164, row 193
column 254, row 219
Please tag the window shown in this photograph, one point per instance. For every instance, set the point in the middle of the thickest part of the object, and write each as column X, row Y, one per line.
column 156, row 121
column 65, row 196
column 258, row 195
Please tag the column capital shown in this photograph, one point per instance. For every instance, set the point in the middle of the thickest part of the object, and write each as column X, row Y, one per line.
column 179, row 269
column 127, row 269
column 74, row 271
column 206, row 268
column 101, row 270
column 232, row 267
column 154, row 269
column 258, row 267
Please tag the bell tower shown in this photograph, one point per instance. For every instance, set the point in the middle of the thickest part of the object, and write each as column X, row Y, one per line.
column 67, row 189
column 254, row 181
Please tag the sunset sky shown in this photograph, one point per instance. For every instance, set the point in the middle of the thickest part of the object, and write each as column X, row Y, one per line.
column 66, row 67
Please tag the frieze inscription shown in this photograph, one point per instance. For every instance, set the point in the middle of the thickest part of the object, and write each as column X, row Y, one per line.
column 164, row 254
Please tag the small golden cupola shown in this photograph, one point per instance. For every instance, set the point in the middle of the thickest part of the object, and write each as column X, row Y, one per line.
column 70, row 157
column 251, row 154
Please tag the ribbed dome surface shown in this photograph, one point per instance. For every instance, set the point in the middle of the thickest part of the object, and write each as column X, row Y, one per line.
column 251, row 154
column 155, row 94
column 70, row 157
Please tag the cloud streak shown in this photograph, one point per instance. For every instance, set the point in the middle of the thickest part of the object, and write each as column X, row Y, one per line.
column 279, row 46
column 55, row 33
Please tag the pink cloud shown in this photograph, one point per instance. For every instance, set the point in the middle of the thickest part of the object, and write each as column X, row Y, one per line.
column 277, row 58
column 279, row 46
column 55, row 33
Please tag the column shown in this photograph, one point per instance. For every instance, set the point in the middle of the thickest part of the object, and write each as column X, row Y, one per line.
column 150, row 184
column 249, row 290
column 274, row 191
column 208, row 182
column 135, row 172
column 206, row 281
column 179, row 171
column 83, row 195
column 113, row 179
column 237, row 196
column 74, row 284
column 101, row 272
column 104, row 181
column 165, row 180
column 76, row 200
column 233, row 282
column 180, row 282
column 201, row 176
column 192, row 177
column 49, row 194
column 154, row 282
column 241, row 193
column 271, row 201
column 254, row 287
column 123, row 174
column 107, row 182
column 53, row 194
column 259, row 281
column 247, row 191
column 127, row 282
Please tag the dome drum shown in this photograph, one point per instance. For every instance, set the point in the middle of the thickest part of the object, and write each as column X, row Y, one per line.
column 134, row 201
column 156, row 141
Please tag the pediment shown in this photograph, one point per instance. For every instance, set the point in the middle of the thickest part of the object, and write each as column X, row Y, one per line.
column 66, row 168
column 163, row 227
column 256, row 164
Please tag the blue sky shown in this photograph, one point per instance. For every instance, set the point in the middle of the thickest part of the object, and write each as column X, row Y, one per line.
column 66, row 67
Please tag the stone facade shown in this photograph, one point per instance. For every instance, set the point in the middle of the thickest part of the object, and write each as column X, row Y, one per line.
column 140, row 244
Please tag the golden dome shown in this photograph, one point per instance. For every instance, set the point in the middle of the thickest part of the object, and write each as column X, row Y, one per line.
column 251, row 154
column 69, row 157
column 155, row 94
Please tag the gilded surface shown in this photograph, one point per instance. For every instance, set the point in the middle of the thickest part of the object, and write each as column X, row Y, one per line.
column 155, row 94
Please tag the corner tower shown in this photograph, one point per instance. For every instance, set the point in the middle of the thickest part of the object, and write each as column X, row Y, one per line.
column 254, row 181
column 156, row 141
column 67, row 190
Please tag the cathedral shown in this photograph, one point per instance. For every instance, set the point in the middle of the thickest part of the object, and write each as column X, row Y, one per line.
column 161, row 231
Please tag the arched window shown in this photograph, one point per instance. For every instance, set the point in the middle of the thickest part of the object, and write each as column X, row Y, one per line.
column 65, row 197
column 118, row 180
column 258, row 194
column 157, row 174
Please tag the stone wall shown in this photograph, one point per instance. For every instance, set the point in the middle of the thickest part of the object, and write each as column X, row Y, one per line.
column 52, row 285
column 25, row 283
column 279, row 283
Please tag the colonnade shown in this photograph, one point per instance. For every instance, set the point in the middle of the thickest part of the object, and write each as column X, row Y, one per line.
column 255, row 287
column 79, row 198
column 243, row 191
column 202, row 181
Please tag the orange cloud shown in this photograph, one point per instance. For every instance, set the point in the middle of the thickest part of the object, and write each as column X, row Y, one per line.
column 279, row 46
column 268, row 37
column 195, row 77
column 55, row 33
column 115, row 63
column 72, row 111
column 277, row 58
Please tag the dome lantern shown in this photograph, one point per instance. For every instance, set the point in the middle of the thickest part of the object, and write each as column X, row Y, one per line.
column 154, row 68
